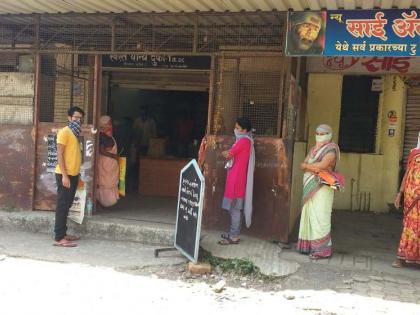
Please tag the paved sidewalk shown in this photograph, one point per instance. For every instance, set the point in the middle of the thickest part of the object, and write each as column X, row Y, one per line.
column 38, row 287
column 116, row 254
column 373, row 263
column 264, row 254
column 136, row 258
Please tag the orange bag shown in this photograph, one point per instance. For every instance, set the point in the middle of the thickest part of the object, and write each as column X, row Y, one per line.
column 333, row 179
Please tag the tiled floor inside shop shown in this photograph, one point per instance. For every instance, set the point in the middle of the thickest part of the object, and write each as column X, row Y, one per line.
column 144, row 209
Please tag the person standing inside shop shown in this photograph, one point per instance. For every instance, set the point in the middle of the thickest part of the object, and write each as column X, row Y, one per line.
column 67, row 174
column 145, row 129
column 239, row 181
column 184, row 134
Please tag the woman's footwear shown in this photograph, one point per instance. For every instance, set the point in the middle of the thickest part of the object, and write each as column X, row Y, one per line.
column 225, row 236
column 398, row 264
column 284, row 245
column 229, row 241
column 315, row 257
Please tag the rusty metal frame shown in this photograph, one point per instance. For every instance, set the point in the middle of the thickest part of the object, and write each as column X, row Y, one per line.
column 130, row 37
column 285, row 95
column 54, row 35
column 282, row 88
column 87, row 39
column 219, row 83
column 101, row 52
column 19, row 33
column 37, row 31
column 195, row 35
column 97, row 94
column 113, row 38
column 236, row 55
column 210, row 107
column 37, row 106
column 42, row 41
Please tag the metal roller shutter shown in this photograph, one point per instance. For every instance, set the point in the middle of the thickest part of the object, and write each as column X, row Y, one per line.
column 412, row 121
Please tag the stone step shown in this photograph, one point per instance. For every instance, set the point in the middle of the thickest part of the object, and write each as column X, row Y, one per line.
column 95, row 227
column 262, row 253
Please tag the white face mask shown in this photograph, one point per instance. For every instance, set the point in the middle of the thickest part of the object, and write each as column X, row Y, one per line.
column 323, row 138
column 238, row 133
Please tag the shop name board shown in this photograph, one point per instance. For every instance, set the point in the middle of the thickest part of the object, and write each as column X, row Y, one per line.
column 366, row 65
column 157, row 61
column 354, row 33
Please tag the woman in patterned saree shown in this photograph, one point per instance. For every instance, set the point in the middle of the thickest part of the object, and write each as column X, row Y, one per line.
column 317, row 201
column 409, row 248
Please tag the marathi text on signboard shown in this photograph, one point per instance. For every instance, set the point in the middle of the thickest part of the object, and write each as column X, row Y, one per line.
column 355, row 33
column 157, row 61
column 189, row 212
column 51, row 152
column 364, row 65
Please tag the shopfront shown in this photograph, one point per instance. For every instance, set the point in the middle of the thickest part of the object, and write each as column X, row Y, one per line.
column 364, row 85
column 192, row 74
column 193, row 71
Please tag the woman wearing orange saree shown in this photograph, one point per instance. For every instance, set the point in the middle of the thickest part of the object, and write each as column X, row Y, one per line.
column 108, row 167
column 409, row 248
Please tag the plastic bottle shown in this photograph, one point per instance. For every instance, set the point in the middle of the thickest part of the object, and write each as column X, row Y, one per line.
column 89, row 207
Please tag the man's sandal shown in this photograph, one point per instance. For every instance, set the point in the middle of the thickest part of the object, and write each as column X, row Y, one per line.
column 64, row 243
column 71, row 238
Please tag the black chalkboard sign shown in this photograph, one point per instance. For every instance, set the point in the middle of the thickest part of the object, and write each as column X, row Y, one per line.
column 189, row 211
column 157, row 61
column 51, row 152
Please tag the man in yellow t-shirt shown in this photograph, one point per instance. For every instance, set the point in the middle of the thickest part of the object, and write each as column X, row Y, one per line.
column 69, row 158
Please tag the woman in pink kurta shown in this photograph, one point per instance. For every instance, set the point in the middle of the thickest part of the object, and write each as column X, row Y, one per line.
column 239, row 181
column 236, row 175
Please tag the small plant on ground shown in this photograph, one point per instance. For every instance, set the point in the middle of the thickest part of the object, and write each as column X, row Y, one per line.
column 241, row 266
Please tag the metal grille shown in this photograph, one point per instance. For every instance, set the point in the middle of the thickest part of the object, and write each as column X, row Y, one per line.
column 17, row 89
column 66, row 41
column 412, row 122
column 140, row 32
column 247, row 86
column 66, row 80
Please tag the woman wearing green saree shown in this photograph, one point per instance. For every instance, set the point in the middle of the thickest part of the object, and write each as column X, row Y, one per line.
column 315, row 222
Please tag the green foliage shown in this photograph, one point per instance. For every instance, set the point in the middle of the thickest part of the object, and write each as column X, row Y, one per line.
column 241, row 266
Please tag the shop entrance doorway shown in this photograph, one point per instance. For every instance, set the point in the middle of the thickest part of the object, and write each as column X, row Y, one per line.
column 159, row 119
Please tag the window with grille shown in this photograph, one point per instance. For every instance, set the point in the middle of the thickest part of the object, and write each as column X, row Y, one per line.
column 248, row 86
column 66, row 80
column 359, row 115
